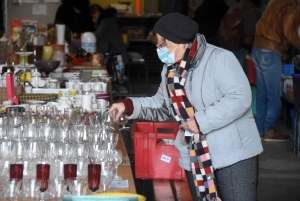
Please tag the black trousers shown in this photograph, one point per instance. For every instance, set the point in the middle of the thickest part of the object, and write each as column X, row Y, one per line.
column 237, row 182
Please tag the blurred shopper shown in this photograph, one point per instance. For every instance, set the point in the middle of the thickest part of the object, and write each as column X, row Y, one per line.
column 204, row 88
column 75, row 15
column 170, row 6
column 237, row 28
column 95, row 11
column 208, row 15
column 108, row 33
column 275, row 31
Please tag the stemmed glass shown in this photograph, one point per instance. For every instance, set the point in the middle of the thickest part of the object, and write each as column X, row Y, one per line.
column 122, row 121
column 112, row 138
column 42, row 174
column 70, row 171
column 108, row 121
column 94, row 171
column 107, row 174
column 116, row 159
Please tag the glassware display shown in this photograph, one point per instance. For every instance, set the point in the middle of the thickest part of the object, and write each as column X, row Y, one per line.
column 47, row 154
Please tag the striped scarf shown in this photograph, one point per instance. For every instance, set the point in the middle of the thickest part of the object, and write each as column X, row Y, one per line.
column 182, row 109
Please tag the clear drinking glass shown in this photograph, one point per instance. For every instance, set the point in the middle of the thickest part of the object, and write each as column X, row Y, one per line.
column 107, row 174
column 116, row 159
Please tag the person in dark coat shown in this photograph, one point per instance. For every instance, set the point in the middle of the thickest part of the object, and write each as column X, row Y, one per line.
column 208, row 15
column 170, row 6
column 75, row 15
column 108, row 33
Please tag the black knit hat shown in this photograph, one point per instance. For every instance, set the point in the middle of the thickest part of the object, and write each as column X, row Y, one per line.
column 177, row 28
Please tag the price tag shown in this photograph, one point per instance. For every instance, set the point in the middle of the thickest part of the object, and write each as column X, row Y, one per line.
column 165, row 158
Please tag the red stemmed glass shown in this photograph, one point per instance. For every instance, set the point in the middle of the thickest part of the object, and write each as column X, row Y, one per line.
column 70, row 171
column 16, row 172
column 42, row 174
column 94, row 172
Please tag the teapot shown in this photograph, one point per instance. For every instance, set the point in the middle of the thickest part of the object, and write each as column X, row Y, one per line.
column 64, row 103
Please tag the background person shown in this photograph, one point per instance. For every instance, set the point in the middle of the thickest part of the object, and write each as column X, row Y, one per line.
column 193, row 70
column 275, row 32
column 76, row 16
column 108, row 33
column 208, row 15
column 244, row 14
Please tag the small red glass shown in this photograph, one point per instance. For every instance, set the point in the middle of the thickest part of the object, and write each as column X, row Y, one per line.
column 42, row 174
column 70, row 171
column 16, row 172
column 94, row 172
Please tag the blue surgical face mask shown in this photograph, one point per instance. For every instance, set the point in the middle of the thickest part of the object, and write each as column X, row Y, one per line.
column 165, row 57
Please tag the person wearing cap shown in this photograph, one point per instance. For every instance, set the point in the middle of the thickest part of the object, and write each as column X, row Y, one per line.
column 205, row 89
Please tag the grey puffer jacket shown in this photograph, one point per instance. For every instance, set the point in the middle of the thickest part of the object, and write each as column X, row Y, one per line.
column 220, row 93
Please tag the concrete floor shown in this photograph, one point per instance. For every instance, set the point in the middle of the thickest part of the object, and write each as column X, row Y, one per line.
column 279, row 168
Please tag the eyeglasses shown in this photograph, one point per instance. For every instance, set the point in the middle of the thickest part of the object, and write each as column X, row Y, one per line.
column 159, row 46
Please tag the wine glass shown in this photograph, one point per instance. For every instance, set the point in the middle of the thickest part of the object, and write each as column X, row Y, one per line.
column 108, row 121
column 94, row 171
column 42, row 174
column 107, row 174
column 112, row 138
column 70, row 171
column 122, row 121
column 116, row 159
column 16, row 172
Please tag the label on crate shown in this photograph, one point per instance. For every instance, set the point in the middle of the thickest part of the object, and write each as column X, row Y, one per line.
column 165, row 158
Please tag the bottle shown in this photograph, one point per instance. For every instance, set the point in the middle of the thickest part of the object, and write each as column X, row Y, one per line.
column 36, row 76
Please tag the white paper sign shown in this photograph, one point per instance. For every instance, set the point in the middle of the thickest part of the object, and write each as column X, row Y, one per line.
column 165, row 158
column 119, row 184
column 39, row 9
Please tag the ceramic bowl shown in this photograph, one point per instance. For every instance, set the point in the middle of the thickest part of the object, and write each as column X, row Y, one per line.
column 46, row 66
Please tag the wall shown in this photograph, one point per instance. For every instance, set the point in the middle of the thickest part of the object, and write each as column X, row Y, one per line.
column 24, row 11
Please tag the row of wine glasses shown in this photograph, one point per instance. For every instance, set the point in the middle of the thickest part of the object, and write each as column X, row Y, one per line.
column 43, row 188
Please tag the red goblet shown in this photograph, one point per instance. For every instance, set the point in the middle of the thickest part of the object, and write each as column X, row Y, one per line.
column 42, row 174
column 70, row 171
column 94, row 172
column 16, row 172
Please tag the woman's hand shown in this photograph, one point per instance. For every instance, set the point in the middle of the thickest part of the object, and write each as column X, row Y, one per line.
column 116, row 110
column 190, row 125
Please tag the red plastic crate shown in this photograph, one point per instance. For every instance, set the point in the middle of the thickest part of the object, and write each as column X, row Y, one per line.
column 149, row 161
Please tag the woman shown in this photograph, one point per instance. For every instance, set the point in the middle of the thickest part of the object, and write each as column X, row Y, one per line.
column 108, row 34
column 206, row 90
